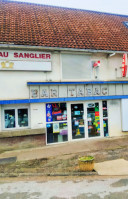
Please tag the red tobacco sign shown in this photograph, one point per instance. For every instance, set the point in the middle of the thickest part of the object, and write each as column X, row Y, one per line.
column 124, row 65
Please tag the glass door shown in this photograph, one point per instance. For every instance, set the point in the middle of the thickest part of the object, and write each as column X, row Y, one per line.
column 77, row 119
column 93, row 120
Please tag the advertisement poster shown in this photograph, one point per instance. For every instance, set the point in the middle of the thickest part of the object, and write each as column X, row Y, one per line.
column 97, row 119
column 56, row 128
column 63, row 129
column 49, row 112
column 56, row 112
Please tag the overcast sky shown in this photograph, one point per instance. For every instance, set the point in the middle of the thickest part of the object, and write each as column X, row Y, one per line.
column 111, row 6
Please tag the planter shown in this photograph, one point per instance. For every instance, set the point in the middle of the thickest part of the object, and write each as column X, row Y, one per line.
column 86, row 163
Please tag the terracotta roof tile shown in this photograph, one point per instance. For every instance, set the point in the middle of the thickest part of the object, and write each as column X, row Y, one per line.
column 50, row 26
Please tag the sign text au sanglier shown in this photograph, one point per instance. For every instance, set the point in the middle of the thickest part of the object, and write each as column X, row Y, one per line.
column 26, row 55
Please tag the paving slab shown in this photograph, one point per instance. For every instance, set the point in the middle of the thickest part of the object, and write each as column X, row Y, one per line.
column 113, row 167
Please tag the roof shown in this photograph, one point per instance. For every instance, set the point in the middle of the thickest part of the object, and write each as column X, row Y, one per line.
column 50, row 26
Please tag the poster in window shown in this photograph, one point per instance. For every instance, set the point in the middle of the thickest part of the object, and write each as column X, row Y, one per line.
column 56, row 112
column 56, row 128
column 49, row 112
column 63, row 129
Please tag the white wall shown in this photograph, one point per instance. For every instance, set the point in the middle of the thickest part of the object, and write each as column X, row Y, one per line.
column 103, row 68
column 114, row 115
column 114, row 66
column 0, row 118
column 124, row 113
column 55, row 75
column 110, row 66
column 37, row 115
column 13, row 84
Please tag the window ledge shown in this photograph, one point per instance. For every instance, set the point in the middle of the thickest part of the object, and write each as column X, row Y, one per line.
column 22, row 132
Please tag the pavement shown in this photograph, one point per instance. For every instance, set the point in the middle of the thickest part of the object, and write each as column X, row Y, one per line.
column 74, row 188
column 103, row 149
column 85, row 146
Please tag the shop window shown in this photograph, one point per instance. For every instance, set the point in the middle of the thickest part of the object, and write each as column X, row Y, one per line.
column 22, row 117
column 56, row 112
column 105, row 118
column 57, row 132
column 93, row 118
column 15, row 118
column 9, row 118
column 56, row 116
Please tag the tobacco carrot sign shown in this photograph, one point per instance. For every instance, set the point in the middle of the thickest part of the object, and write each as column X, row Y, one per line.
column 124, row 65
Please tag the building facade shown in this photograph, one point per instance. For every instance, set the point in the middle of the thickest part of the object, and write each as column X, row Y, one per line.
column 62, row 93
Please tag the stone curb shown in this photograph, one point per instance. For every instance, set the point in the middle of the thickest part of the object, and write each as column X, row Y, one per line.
column 3, row 175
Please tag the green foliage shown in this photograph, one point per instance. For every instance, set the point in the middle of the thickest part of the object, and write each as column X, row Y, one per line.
column 86, row 158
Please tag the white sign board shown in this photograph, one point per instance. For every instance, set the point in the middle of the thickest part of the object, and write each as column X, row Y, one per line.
column 25, row 60
column 25, row 66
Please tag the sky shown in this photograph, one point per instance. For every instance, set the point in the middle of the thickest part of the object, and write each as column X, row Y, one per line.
column 110, row 6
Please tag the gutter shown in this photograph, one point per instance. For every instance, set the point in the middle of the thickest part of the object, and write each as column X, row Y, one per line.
column 40, row 48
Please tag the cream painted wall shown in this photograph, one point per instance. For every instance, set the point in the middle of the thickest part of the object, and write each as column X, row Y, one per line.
column 37, row 115
column 114, row 115
column 114, row 66
column 13, row 84
column 110, row 66
column 0, row 118
column 55, row 75
column 103, row 69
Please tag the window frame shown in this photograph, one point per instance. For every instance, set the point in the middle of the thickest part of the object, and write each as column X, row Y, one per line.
column 56, row 122
column 15, row 108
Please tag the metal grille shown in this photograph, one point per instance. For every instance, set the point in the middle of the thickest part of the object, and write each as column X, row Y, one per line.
column 76, row 66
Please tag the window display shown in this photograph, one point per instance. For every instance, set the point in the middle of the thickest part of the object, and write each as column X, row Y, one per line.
column 9, row 118
column 86, row 123
column 57, row 131
column 56, row 112
column 23, row 117
column 16, row 118
column 93, row 118
column 77, row 115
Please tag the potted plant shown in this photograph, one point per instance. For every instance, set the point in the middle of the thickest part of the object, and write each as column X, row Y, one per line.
column 86, row 163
